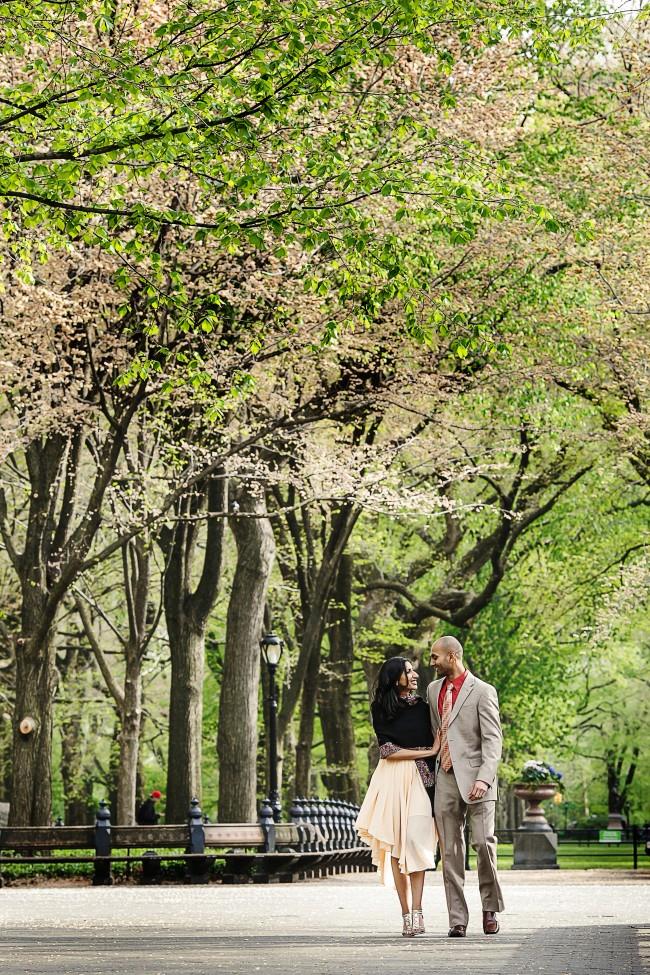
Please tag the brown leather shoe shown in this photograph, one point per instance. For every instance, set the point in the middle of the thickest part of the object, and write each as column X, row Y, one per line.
column 490, row 923
column 458, row 931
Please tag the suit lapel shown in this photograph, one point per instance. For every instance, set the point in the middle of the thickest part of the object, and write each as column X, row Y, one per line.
column 463, row 694
column 435, row 693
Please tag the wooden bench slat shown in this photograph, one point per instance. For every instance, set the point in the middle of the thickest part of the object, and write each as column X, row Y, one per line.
column 286, row 833
column 47, row 837
column 231, row 834
column 163, row 836
column 83, row 837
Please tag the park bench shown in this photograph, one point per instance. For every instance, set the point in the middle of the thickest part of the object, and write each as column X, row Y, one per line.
column 319, row 840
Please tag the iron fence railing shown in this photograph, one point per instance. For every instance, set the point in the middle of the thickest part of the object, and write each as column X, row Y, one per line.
column 626, row 846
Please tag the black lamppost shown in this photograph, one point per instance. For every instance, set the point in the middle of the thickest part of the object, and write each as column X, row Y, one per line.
column 272, row 647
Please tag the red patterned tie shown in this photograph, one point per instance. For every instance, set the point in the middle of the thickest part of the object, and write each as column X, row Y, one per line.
column 445, row 757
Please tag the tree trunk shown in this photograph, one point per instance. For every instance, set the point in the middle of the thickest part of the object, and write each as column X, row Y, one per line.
column 36, row 676
column 238, row 704
column 140, row 777
column 377, row 604
column 618, row 782
column 77, row 740
column 136, row 575
column 9, row 629
column 114, row 766
column 615, row 799
column 371, row 670
column 129, row 743
column 287, row 763
column 302, row 785
column 314, row 607
column 51, row 560
column 36, row 680
column 185, row 718
column 77, row 778
column 586, row 809
column 5, row 758
column 186, row 614
column 335, row 703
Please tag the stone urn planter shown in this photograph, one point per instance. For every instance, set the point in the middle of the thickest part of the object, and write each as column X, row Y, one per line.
column 535, row 843
column 534, row 793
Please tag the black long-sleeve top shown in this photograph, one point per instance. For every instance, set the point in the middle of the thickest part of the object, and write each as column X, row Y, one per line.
column 409, row 728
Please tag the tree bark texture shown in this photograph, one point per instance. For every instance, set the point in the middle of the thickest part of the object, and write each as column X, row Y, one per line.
column 78, row 739
column 136, row 559
column 54, row 553
column 315, row 596
column 129, row 744
column 238, row 704
column 36, row 676
column 619, row 781
column 136, row 574
column 335, row 703
column 186, row 613
column 5, row 759
column 77, row 777
column 36, row 681
column 377, row 604
column 113, row 770
column 305, row 743
column 185, row 720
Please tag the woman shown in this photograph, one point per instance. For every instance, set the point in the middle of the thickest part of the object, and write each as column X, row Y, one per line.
column 396, row 818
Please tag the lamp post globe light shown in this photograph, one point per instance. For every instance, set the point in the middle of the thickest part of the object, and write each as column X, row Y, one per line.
column 272, row 647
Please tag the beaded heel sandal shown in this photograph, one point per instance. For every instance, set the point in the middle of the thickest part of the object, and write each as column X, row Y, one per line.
column 418, row 923
column 407, row 926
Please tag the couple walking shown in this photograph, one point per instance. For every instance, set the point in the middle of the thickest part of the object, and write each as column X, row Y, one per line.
column 439, row 758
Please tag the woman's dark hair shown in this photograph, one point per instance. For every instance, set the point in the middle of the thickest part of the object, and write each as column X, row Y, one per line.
column 385, row 698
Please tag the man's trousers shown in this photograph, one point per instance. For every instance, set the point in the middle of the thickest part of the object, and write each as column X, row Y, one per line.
column 451, row 812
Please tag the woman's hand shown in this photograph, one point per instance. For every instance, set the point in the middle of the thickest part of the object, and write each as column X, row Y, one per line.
column 436, row 744
column 433, row 751
column 430, row 752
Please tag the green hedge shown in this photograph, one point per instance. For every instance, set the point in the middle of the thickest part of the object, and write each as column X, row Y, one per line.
column 170, row 869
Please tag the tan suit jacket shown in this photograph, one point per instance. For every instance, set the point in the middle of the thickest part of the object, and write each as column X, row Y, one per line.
column 474, row 734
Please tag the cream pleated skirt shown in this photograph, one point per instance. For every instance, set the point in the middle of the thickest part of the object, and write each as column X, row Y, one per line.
column 395, row 820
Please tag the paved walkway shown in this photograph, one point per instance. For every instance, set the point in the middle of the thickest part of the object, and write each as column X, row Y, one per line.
column 566, row 923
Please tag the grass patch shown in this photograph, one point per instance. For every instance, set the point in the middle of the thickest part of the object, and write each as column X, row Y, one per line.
column 579, row 856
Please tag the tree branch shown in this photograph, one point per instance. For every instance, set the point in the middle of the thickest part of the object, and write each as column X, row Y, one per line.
column 205, row 594
column 112, row 685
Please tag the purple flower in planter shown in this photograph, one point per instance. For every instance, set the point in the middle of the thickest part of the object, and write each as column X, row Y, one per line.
column 541, row 773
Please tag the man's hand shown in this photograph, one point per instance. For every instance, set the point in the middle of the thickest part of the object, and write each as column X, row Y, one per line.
column 479, row 790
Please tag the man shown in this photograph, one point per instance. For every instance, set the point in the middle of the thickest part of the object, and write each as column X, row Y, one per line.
column 465, row 710
column 146, row 814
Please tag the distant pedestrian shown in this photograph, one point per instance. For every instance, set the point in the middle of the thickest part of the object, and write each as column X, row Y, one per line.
column 146, row 814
